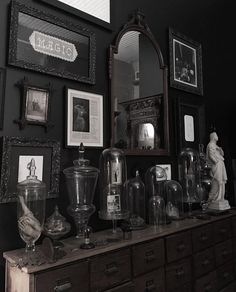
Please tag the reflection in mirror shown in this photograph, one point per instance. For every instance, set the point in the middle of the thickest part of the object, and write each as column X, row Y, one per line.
column 138, row 91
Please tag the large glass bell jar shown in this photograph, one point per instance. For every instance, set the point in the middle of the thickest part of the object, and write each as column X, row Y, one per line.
column 81, row 180
column 155, row 180
column 31, row 213
column 113, row 186
column 188, row 176
column 136, row 197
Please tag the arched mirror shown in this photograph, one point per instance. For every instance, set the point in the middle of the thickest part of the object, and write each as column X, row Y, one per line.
column 139, row 100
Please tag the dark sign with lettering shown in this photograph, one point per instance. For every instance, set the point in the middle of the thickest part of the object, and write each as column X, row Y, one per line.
column 45, row 43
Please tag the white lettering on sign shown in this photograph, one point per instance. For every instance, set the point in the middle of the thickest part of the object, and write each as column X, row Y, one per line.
column 53, row 46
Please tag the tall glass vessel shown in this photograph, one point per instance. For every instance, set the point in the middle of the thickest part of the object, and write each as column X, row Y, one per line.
column 81, row 181
column 113, row 186
column 188, row 176
column 31, row 212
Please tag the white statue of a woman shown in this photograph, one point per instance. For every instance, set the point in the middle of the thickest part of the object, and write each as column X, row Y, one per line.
column 215, row 156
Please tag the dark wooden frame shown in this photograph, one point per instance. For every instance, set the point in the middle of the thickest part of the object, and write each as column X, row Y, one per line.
column 82, row 14
column 2, row 95
column 56, row 64
column 197, row 48
column 138, row 23
column 68, row 118
column 23, row 121
column 13, row 147
column 197, row 111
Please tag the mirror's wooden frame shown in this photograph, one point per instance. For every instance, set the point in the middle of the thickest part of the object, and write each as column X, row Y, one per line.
column 137, row 23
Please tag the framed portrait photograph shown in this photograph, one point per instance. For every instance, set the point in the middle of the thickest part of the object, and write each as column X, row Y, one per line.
column 95, row 11
column 191, row 121
column 185, row 63
column 35, row 105
column 16, row 155
column 45, row 43
column 2, row 95
column 84, row 112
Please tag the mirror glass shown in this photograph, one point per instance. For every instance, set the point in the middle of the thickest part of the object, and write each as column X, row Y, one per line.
column 138, row 91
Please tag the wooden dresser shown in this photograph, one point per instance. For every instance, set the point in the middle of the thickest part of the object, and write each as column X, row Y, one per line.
column 188, row 255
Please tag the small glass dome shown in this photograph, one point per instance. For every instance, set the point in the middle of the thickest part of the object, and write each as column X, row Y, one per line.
column 156, row 210
column 113, row 185
column 136, row 197
column 174, row 200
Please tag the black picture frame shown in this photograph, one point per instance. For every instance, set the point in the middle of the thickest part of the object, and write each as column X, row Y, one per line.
column 15, row 150
column 191, row 124
column 2, row 95
column 84, row 118
column 185, row 60
column 48, row 44
column 83, row 15
column 35, row 104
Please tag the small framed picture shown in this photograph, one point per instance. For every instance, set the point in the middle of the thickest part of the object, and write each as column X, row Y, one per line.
column 17, row 154
column 191, row 121
column 167, row 168
column 84, row 118
column 35, row 105
column 185, row 63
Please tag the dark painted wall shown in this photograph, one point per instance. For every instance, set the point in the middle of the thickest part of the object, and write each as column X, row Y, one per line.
column 209, row 22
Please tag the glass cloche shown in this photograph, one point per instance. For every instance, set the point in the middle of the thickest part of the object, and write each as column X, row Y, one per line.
column 81, row 180
column 113, row 186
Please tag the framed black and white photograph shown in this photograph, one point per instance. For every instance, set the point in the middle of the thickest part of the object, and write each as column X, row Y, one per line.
column 95, row 11
column 191, row 124
column 45, row 43
column 84, row 118
column 2, row 95
column 18, row 153
column 35, row 105
column 185, row 63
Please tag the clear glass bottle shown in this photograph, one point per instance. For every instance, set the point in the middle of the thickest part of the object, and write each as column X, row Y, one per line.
column 188, row 175
column 81, row 181
column 174, row 200
column 156, row 211
column 137, row 204
column 113, row 186
column 31, row 213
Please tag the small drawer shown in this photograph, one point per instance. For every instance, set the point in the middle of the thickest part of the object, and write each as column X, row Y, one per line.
column 222, row 230
column 234, row 245
column 178, row 274
column 225, row 275
column 206, row 283
column 129, row 287
column 110, row 269
column 223, row 252
column 67, row 278
column 178, row 246
column 203, row 262
column 150, row 282
column 202, row 237
column 148, row 256
column 230, row 288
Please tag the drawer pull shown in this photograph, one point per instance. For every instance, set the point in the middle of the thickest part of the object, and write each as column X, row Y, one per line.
column 150, row 288
column 208, row 288
column 63, row 287
column 111, row 269
column 203, row 238
column 181, row 247
column 223, row 231
column 225, row 275
column 206, row 263
column 150, row 256
column 225, row 253
column 179, row 273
